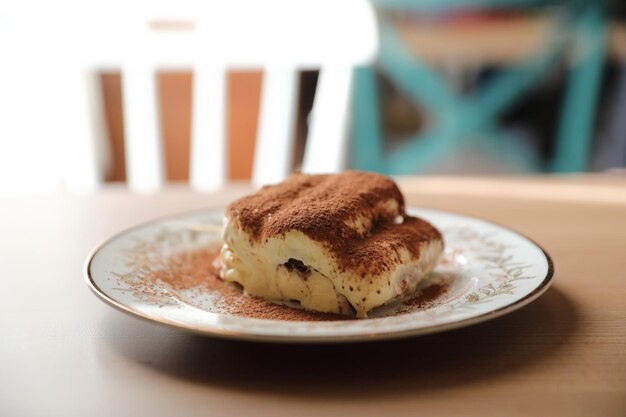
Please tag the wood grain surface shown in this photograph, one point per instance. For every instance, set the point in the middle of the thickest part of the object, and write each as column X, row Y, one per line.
column 64, row 353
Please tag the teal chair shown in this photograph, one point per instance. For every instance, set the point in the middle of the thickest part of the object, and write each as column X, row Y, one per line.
column 457, row 120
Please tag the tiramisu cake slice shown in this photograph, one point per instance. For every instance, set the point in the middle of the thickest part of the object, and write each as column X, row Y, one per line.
column 332, row 243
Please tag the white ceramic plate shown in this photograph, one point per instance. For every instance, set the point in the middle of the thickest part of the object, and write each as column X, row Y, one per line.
column 488, row 270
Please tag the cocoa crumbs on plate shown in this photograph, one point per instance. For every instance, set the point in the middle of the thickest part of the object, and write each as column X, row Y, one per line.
column 195, row 272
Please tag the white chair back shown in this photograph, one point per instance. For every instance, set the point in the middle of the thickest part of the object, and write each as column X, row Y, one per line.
column 209, row 38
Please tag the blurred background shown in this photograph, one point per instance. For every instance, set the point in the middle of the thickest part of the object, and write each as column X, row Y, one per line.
column 144, row 93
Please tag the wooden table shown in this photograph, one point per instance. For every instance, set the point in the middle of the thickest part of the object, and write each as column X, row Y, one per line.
column 65, row 353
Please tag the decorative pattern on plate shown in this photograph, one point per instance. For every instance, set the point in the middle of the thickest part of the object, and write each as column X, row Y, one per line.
column 159, row 270
column 499, row 261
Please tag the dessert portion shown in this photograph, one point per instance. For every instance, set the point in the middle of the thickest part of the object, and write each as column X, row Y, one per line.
column 331, row 243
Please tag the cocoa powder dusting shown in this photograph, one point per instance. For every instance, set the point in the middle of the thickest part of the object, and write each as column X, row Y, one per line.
column 427, row 297
column 196, row 272
column 324, row 207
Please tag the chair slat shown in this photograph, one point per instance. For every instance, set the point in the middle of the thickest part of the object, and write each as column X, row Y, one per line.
column 327, row 139
column 84, row 131
column 144, row 154
column 273, row 156
column 208, row 159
